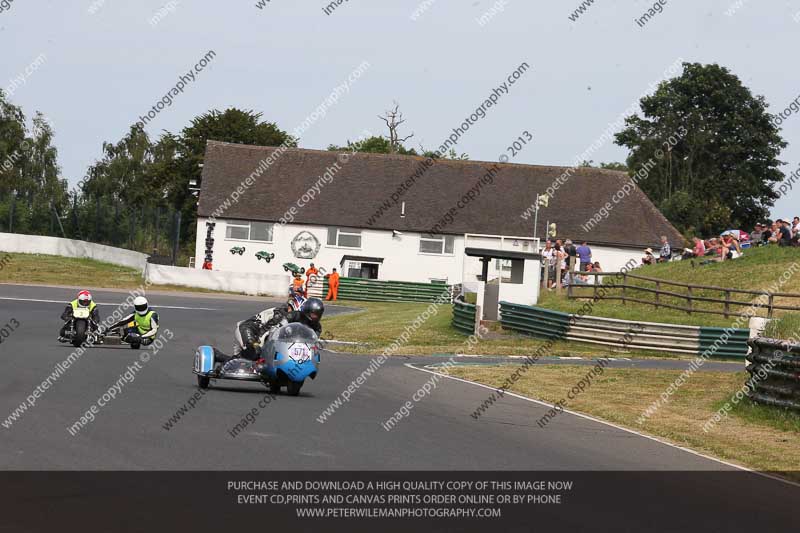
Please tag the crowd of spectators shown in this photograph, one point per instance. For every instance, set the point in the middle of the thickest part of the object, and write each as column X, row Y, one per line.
column 575, row 262
column 730, row 244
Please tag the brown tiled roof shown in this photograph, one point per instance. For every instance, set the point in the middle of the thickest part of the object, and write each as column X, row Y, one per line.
column 367, row 180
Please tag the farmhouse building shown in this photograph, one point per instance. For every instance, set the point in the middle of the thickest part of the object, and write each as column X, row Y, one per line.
column 403, row 218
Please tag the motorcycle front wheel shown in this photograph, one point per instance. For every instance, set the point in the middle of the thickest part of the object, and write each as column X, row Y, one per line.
column 293, row 387
column 79, row 333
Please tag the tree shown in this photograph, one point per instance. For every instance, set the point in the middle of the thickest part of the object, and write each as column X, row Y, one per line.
column 43, row 188
column 372, row 145
column 393, row 119
column 12, row 136
column 704, row 134
column 614, row 166
column 132, row 196
column 231, row 126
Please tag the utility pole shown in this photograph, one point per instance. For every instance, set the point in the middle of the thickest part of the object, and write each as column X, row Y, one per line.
column 11, row 213
column 542, row 200
column 176, row 244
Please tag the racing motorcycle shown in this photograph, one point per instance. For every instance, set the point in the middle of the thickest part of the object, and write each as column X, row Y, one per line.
column 290, row 353
column 81, row 328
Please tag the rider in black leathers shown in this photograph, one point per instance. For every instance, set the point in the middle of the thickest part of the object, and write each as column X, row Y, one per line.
column 249, row 333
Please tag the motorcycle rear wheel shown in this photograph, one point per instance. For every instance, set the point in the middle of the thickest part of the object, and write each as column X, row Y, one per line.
column 203, row 381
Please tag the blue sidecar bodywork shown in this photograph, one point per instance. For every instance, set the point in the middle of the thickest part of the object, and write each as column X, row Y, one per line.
column 289, row 355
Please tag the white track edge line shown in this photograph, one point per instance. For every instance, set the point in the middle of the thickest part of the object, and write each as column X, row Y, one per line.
column 604, row 422
column 106, row 303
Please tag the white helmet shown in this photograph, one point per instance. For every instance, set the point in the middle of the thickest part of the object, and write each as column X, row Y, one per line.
column 141, row 305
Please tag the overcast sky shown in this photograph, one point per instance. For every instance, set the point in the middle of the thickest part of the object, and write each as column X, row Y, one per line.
column 98, row 73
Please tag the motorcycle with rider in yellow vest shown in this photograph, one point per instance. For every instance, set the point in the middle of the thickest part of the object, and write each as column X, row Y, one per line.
column 138, row 328
column 81, row 321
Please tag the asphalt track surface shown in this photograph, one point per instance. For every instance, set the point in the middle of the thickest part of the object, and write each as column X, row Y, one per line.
column 129, row 434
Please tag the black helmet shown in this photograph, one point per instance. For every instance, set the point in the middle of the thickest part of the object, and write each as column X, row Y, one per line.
column 312, row 309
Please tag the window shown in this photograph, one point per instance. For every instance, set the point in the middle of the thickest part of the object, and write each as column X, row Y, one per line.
column 260, row 231
column 504, row 267
column 347, row 238
column 436, row 245
column 249, row 231
column 237, row 231
column 357, row 269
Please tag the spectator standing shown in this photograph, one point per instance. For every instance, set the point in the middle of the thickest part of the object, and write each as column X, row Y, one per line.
column 561, row 260
column 585, row 255
column 666, row 251
column 572, row 257
column 548, row 257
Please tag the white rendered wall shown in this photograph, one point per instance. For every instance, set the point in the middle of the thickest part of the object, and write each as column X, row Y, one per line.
column 38, row 244
column 402, row 260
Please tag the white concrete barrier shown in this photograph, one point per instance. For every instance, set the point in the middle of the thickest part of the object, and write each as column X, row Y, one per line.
column 218, row 280
column 38, row 244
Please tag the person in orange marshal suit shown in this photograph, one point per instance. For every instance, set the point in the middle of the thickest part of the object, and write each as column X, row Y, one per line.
column 333, row 285
column 312, row 271
column 297, row 284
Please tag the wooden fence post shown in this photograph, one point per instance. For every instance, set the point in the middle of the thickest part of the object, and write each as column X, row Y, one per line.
column 558, row 275
column 658, row 291
column 769, row 309
column 689, row 299
column 624, row 282
column 727, row 303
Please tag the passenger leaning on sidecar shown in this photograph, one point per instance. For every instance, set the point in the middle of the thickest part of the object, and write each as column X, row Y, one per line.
column 143, row 324
column 250, row 333
column 83, row 300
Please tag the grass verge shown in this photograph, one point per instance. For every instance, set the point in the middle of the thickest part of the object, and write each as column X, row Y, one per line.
column 57, row 270
column 759, row 437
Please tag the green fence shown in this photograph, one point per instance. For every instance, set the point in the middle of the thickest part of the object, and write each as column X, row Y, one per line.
column 623, row 334
column 464, row 317
column 387, row 291
column 735, row 345
column 534, row 320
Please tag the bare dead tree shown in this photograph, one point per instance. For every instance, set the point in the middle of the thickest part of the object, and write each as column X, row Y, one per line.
column 393, row 119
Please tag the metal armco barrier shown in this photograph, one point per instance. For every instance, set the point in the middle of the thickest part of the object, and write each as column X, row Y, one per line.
column 546, row 323
column 387, row 291
column 464, row 317
column 774, row 373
